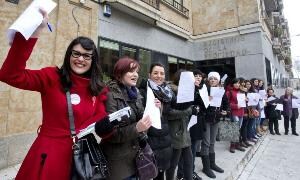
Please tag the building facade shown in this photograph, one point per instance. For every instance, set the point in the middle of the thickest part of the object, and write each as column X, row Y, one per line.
column 241, row 38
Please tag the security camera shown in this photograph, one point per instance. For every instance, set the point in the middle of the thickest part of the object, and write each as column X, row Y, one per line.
column 82, row 1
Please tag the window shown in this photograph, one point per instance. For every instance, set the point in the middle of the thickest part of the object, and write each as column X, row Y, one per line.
column 172, row 61
column 129, row 52
column 145, row 62
column 189, row 65
column 109, row 55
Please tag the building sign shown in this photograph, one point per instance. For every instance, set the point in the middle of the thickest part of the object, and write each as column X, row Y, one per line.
column 226, row 47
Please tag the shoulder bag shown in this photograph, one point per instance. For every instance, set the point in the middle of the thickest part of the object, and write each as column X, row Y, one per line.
column 89, row 163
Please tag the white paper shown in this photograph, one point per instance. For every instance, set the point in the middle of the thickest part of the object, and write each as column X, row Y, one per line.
column 152, row 110
column 253, row 99
column 261, row 104
column 263, row 94
column 224, row 78
column 186, row 87
column 295, row 103
column 30, row 19
column 192, row 122
column 279, row 107
column 262, row 114
column 271, row 98
column 204, row 95
column 241, row 99
column 217, row 94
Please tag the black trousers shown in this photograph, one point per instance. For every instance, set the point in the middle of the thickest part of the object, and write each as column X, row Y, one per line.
column 273, row 122
column 287, row 119
column 187, row 157
column 243, row 129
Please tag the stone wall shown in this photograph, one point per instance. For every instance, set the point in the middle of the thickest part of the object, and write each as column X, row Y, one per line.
column 20, row 111
column 211, row 16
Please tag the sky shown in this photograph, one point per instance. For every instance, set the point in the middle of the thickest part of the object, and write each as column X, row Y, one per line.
column 291, row 10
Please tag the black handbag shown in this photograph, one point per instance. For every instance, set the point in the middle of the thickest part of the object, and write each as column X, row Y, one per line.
column 146, row 163
column 89, row 162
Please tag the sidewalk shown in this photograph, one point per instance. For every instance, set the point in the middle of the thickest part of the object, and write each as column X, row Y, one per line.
column 232, row 163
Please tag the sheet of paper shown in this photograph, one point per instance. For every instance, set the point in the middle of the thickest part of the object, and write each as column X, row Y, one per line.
column 263, row 94
column 241, row 98
column 186, row 87
column 271, row 98
column 30, row 19
column 279, row 107
column 261, row 104
column 192, row 122
column 262, row 114
column 224, row 78
column 253, row 99
column 295, row 103
column 152, row 110
column 204, row 95
column 217, row 94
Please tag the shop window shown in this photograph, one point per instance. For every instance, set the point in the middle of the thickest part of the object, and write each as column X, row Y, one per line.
column 145, row 62
column 109, row 55
column 172, row 62
column 189, row 65
column 181, row 64
column 128, row 52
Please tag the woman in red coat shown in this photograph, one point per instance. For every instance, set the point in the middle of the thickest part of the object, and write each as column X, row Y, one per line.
column 50, row 156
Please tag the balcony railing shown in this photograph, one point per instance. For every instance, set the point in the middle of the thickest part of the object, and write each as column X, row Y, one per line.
column 178, row 7
column 153, row 3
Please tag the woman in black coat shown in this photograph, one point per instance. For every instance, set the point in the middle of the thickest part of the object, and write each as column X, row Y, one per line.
column 271, row 113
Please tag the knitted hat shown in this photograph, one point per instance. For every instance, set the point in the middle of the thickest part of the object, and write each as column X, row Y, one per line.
column 214, row 74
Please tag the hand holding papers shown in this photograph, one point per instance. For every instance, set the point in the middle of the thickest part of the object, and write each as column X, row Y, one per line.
column 125, row 112
column 295, row 103
column 186, row 87
column 30, row 19
column 279, row 107
column 253, row 99
column 192, row 122
column 271, row 98
column 152, row 110
column 241, row 98
column 217, row 94
column 204, row 95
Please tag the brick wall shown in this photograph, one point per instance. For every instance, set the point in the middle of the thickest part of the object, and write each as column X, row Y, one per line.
column 20, row 111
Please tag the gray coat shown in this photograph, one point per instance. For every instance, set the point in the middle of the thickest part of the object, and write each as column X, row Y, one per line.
column 121, row 148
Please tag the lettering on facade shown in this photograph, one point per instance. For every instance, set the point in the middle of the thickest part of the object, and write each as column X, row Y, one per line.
column 221, row 48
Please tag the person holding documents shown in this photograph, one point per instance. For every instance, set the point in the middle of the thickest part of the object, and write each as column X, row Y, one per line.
column 212, row 116
column 289, row 113
column 237, row 101
column 50, row 156
column 272, row 113
column 122, row 145
column 181, row 141
column 159, row 139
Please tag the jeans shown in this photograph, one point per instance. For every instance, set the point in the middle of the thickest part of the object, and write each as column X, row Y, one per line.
column 244, row 130
column 133, row 177
column 250, row 127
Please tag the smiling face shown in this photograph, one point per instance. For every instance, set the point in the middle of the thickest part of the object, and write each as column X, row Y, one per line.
column 157, row 75
column 80, row 59
column 130, row 78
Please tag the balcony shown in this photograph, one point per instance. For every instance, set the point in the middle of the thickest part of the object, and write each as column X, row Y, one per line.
column 276, row 17
column 153, row 3
column 177, row 6
column 276, row 46
column 145, row 10
column 271, row 5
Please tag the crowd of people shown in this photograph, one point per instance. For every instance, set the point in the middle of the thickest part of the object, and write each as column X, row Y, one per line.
column 174, row 146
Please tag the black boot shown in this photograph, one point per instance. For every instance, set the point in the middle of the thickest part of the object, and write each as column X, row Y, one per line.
column 213, row 166
column 206, row 167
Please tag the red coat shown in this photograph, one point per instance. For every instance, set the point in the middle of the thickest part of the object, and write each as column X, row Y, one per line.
column 50, row 156
column 232, row 99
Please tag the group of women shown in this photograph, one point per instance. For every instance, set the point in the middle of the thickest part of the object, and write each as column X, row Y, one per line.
column 50, row 156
